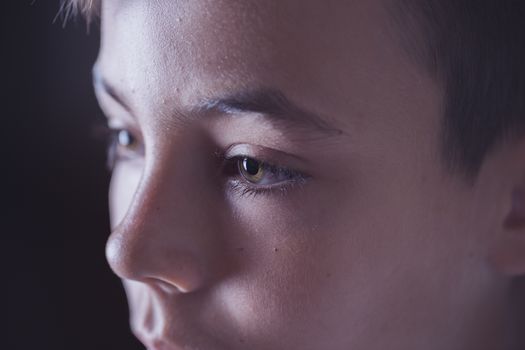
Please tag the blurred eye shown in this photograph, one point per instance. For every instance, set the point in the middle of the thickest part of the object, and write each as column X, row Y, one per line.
column 126, row 139
column 123, row 145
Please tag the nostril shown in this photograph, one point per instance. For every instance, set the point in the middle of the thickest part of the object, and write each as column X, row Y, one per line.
column 159, row 344
column 163, row 286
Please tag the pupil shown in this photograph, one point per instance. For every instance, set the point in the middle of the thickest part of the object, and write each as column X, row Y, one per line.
column 124, row 138
column 251, row 166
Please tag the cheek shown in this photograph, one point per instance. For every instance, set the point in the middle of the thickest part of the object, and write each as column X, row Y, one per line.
column 357, row 262
column 288, row 281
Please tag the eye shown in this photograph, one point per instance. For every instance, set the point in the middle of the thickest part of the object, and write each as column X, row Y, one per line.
column 123, row 145
column 257, row 172
column 253, row 176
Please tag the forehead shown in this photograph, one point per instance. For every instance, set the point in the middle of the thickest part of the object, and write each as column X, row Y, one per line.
column 328, row 54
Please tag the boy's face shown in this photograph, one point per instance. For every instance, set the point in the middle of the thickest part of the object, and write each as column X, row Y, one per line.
column 353, row 237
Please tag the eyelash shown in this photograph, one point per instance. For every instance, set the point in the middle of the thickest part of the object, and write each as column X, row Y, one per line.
column 230, row 167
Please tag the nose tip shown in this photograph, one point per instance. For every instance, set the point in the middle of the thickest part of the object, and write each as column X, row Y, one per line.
column 119, row 259
column 138, row 256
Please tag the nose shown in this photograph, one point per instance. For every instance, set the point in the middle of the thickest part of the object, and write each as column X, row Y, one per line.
column 168, row 236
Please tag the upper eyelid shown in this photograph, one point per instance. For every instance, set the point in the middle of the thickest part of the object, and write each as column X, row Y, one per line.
column 271, row 157
column 295, row 174
column 268, row 163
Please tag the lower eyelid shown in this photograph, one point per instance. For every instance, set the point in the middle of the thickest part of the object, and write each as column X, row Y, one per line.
column 244, row 189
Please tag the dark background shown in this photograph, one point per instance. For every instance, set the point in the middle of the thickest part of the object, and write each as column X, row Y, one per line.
column 60, row 291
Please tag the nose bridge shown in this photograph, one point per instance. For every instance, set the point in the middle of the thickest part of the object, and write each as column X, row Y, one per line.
column 165, row 236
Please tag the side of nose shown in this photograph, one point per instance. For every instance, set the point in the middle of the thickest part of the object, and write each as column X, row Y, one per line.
column 168, row 236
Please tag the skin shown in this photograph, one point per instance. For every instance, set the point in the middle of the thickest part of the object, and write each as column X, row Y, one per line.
column 377, row 247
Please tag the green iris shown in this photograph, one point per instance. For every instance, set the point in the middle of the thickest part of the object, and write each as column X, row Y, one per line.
column 252, row 170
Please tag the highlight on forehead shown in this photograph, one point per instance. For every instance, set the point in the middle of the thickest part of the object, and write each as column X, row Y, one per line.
column 87, row 8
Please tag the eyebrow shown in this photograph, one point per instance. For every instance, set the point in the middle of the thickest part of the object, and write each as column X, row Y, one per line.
column 272, row 103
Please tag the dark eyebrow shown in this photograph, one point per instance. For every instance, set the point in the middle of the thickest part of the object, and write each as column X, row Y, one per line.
column 269, row 102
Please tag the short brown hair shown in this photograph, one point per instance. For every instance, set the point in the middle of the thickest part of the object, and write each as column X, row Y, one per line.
column 87, row 8
column 476, row 50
